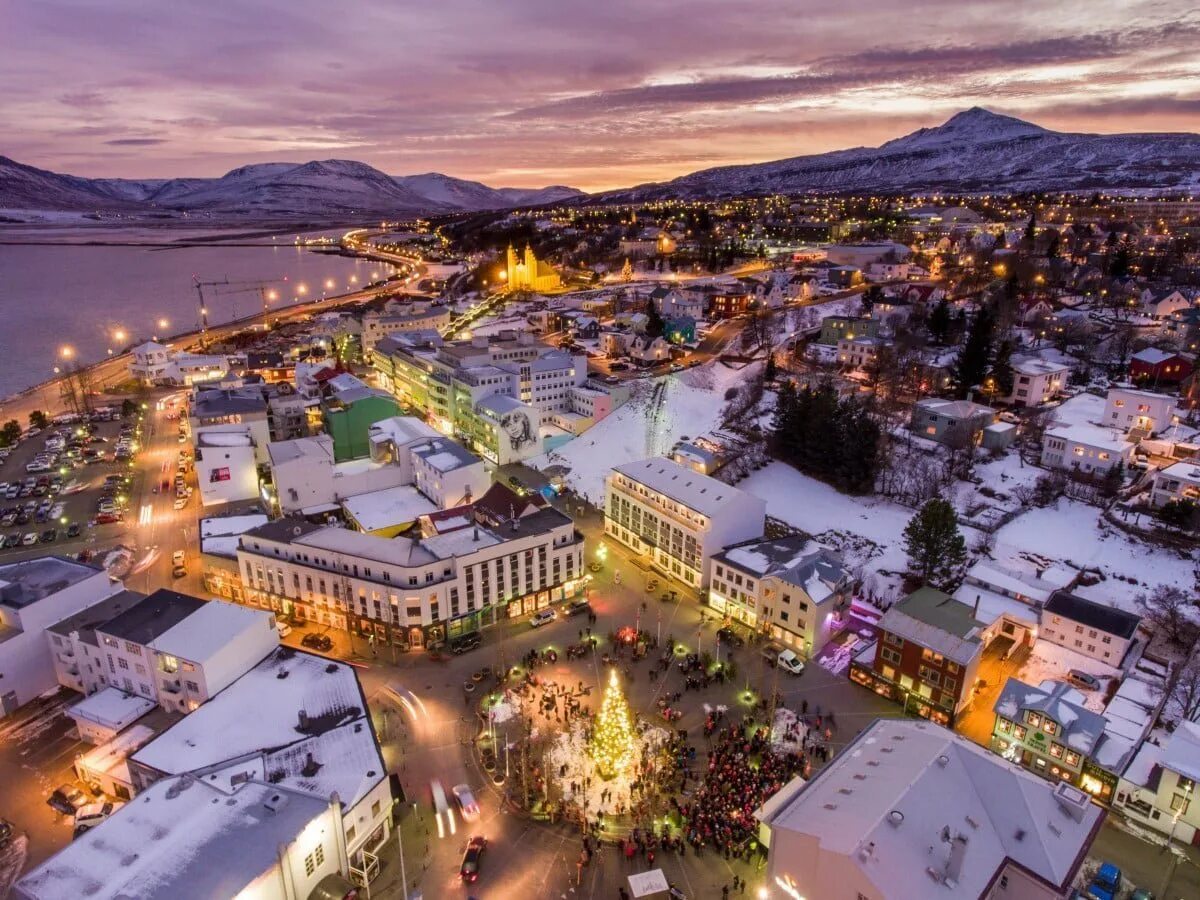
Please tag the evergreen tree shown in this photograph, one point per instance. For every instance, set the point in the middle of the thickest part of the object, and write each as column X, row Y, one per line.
column 783, row 423
column 655, row 324
column 1002, row 370
column 1114, row 479
column 10, row 433
column 972, row 362
column 937, row 553
column 870, row 297
column 1031, row 229
column 769, row 368
column 857, row 465
column 38, row 419
column 939, row 321
column 612, row 737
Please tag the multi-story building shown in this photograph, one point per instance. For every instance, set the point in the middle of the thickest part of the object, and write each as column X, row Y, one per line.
column 835, row 329
column 1085, row 448
column 1037, row 381
column 240, row 410
column 414, row 590
column 79, row 663
column 909, row 810
column 677, row 517
column 729, row 304
column 1094, row 629
column 958, row 423
column 789, row 588
column 179, row 650
column 396, row 317
column 528, row 273
column 1178, row 481
column 927, row 656
column 226, row 465
column 35, row 594
column 859, row 352
column 349, row 408
column 1129, row 409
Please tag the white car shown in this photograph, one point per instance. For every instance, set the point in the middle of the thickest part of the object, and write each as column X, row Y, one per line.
column 466, row 802
column 181, row 502
column 57, row 510
column 93, row 814
column 543, row 617
column 30, row 539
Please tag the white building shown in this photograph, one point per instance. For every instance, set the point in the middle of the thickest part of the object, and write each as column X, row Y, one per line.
column 1037, row 381
column 396, row 317
column 179, row 650
column 1159, row 787
column 1102, row 632
column 226, row 465
column 1129, row 408
column 859, row 352
column 189, row 837
column 789, row 587
column 34, row 595
column 148, row 362
column 413, row 591
column 910, row 809
column 677, row 517
column 1090, row 449
column 1178, row 481
column 299, row 721
column 74, row 647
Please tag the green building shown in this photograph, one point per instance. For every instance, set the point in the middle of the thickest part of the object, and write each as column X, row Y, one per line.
column 349, row 410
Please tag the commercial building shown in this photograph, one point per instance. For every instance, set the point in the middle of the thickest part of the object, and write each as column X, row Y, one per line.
column 482, row 567
column 678, row 518
column 219, row 539
column 349, row 409
column 1102, row 632
column 395, row 317
column 240, row 410
column 909, row 809
column 226, row 465
column 927, row 656
column 788, row 588
column 35, row 594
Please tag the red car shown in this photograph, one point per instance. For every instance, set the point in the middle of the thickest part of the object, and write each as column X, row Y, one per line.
column 108, row 518
column 469, row 871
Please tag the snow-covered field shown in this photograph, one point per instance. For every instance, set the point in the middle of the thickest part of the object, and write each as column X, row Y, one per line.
column 688, row 404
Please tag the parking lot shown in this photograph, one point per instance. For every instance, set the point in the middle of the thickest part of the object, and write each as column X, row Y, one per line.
column 76, row 498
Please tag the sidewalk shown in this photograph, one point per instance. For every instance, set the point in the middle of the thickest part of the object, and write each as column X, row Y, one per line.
column 1170, row 873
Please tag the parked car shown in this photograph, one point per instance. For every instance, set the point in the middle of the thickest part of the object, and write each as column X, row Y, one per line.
column 73, row 530
column 466, row 802
column 472, row 859
column 575, row 607
column 91, row 815
column 729, row 636
column 774, row 655
column 13, row 540
column 69, row 798
column 49, row 536
column 177, row 558
column 30, row 539
column 108, row 518
column 283, row 628
column 315, row 641
column 543, row 617
column 465, row 643
column 178, row 572
column 1107, row 883
column 1081, row 679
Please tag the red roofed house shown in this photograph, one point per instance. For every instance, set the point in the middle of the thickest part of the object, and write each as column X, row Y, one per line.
column 1154, row 367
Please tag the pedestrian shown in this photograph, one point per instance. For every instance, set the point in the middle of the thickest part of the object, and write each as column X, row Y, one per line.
column 725, row 892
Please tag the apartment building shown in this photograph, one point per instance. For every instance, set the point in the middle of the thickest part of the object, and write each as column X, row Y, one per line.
column 678, row 518
column 1145, row 411
column 1159, row 787
column 1101, row 632
column 414, row 590
column 35, row 594
column 1085, row 448
column 789, row 588
column 397, row 317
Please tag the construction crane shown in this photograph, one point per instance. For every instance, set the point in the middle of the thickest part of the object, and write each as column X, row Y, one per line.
column 236, row 287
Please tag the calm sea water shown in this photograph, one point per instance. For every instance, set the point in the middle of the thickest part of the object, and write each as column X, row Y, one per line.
column 55, row 295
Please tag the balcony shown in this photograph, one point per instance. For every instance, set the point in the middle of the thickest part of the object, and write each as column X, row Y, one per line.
column 171, row 687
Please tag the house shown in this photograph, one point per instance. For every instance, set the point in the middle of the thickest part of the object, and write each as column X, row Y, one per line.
column 696, row 456
column 1129, row 409
column 927, row 657
column 1178, row 481
column 1032, row 309
column 1162, row 304
column 179, row 650
column 615, row 344
column 888, row 271
column 1155, row 367
column 677, row 518
column 647, row 351
column 859, row 352
column 1050, row 730
column 1102, row 632
column 924, row 295
column 1085, row 448
column 1036, row 380
column 728, row 304
column 910, row 810
column 957, row 423
column 35, row 595
column 844, row 276
column 1158, row 787
column 585, row 328
column 679, row 329
column 835, row 329
column 787, row 588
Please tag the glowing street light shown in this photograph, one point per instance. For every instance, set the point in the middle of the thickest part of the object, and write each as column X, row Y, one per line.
column 163, row 323
column 119, row 335
column 66, row 351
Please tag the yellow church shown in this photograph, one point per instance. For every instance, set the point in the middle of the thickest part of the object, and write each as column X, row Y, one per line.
column 531, row 274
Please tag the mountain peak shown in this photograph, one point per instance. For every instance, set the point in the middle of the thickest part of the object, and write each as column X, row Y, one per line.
column 971, row 126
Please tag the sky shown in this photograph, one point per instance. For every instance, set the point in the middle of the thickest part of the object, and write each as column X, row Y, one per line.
column 592, row 93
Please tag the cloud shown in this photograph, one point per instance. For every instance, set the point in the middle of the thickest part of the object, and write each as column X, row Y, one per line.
column 135, row 142
column 85, row 100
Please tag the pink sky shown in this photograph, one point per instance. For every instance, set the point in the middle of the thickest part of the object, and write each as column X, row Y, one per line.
column 592, row 94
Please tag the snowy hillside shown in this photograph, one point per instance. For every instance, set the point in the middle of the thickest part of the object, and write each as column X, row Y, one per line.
column 975, row 150
column 331, row 186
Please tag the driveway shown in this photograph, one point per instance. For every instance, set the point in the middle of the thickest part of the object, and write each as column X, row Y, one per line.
column 976, row 722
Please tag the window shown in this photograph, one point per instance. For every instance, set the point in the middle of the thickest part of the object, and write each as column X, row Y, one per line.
column 1056, row 750
column 1019, row 732
column 1033, row 719
column 1003, row 725
column 1072, row 758
column 894, row 640
column 1179, row 804
column 123, row 664
column 890, row 655
column 310, row 865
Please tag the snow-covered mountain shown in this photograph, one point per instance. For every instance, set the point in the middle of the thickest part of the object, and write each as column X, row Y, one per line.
column 975, row 150
column 316, row 188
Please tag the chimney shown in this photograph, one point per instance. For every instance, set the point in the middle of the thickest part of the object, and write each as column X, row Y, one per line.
column 954, row 864
column 975, row 614
column 475, row 535
column 303, row 721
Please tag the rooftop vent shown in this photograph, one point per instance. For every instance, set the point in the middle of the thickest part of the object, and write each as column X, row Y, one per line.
column 846, row 791
column 1020, row 834
column 1071, row 800
column 943, row 760
column 275, row 802
column 895, row 818
column 830, row 806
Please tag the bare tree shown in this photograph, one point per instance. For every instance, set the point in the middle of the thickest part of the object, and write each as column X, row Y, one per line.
column 1184, row 691
column 1168, row 609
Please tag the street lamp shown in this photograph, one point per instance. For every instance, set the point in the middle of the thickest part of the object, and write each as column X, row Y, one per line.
column 66, row 351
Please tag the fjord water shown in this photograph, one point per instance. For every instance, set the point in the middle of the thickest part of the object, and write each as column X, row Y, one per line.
column 67, row 294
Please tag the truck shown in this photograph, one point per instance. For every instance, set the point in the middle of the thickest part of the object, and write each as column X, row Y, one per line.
column 774, row 655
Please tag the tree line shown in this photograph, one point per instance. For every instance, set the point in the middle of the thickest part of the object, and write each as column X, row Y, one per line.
column 837, row 441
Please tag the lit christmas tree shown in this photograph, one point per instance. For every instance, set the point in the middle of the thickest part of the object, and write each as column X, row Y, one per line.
column 612, row 739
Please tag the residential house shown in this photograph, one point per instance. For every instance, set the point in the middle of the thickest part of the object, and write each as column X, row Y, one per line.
column 1155, row 367
column 1178, row 481
column 78, row 662
column 728, row 304
column 1162, row 304
column 835, row 329
column 859, row 352
column 677, row 518
column 957, row 423
column 1036, row 380
column 1097, row 630
column 1159, row 786
column 911, row 810
column 927, row 657
column 1085, row 448
column 787, row 588
column 1130, row 409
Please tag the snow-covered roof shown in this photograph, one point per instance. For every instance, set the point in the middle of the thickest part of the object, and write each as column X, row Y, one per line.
column 955, row 409
column 795, row 560
column 444, row 454
column 1187, row 470
column 221, row 535
column 111, row 708
column 1082, row 729
column 1182, row 752
column 402, row 430
column 1037, row 366
column 1005, row 581
column 387, row 508
column 1092, row 436
column 701, row 493
column 1152, row 356
column 208, row 438
column 396, row 551
column 882, row 802
column 279, row 717
column 210, row 629
column 178, row 839
column 937, row 621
